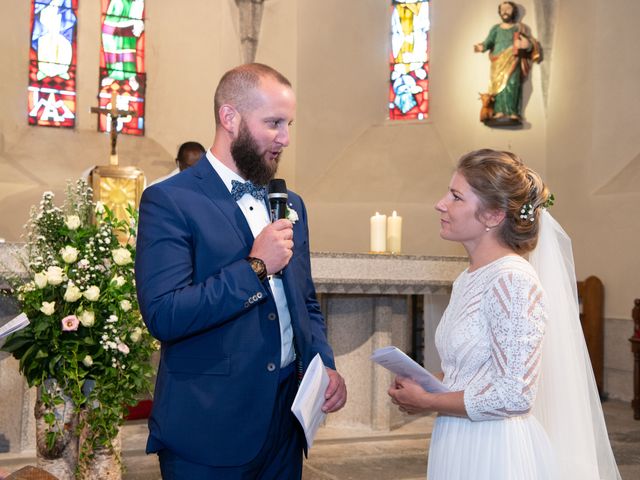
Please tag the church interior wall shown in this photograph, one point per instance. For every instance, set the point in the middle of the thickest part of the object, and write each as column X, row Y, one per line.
column 346, row 158
column 347, row 149
column 594, row 161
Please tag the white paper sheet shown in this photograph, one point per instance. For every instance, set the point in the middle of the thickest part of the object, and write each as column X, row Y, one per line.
column 307, row 406
column 13, row 325
column 398, row 362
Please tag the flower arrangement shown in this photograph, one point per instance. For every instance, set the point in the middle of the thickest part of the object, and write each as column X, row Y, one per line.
column 85, row 330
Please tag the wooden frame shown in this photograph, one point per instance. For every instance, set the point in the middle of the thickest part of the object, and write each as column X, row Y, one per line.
column 635, row 348
column 591, row 296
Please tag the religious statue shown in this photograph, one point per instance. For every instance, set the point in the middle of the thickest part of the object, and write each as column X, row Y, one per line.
column 512, row 48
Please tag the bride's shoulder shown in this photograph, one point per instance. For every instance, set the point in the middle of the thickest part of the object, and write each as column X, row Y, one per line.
column 514, row 269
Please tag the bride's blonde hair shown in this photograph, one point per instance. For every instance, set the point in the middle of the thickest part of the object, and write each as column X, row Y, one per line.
column 503, row 182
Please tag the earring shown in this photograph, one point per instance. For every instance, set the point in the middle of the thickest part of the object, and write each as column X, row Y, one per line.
column 486, row 229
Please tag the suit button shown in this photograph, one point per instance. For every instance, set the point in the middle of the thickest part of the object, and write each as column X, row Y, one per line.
column 259, row 295
column 246, row 304
column 271, row 367
column 271, row 316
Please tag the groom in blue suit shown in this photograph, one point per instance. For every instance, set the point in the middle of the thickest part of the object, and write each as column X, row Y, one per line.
column 230, row 297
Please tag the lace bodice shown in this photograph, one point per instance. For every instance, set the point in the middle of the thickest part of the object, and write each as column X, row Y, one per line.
column 490, row 337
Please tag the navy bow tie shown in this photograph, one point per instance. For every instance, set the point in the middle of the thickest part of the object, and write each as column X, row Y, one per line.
column 238, row 189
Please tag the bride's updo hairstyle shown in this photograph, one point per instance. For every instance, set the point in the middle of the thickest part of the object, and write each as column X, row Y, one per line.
column 502, row 182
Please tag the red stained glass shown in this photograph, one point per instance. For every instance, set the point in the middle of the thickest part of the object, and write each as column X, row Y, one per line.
column 52, row 63
column 122, row 63
column 409, row 60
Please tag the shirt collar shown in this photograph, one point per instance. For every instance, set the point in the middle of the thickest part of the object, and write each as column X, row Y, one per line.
column 224, row 172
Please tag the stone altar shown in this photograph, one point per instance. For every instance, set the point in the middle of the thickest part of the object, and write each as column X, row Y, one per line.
column 366, row 300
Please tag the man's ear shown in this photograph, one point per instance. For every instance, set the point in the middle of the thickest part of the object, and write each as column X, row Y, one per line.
column 229, row 118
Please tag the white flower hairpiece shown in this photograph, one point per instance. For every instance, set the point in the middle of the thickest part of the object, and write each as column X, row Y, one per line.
column 526, row 212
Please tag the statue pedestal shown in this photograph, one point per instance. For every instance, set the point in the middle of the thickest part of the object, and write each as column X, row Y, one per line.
column 367, row 303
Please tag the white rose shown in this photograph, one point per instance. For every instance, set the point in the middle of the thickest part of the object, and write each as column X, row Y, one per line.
column 72, row 222
column 125, row 305
column 121, row 256
column 118, row 281
column 54, row 275
column 292, row 215
column 69, row 254
column 92, row 293
column 99, row 207
column 40, row 280
column 48, row 308
column 87, row 318
column 72, row 293
column 87, row 361
column 136, row 335
column 123, row 348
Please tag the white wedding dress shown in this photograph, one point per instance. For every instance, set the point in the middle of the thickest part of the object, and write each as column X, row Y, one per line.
column 490, row 342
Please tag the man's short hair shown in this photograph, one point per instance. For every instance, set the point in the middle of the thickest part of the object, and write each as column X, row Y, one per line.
column 236, row 86
column 188, row 147
column 184, row 150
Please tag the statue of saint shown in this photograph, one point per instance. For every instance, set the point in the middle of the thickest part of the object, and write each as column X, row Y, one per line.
column 512, row 48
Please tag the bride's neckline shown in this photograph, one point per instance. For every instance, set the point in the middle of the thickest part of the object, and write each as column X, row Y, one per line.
column 492, row 262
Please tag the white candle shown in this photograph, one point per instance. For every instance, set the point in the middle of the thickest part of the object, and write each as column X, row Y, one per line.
column 394, row 233
column 378, row 233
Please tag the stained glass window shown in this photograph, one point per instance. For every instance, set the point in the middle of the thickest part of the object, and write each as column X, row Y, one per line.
column 409, row 62
column 122, row 64
column 52, row 63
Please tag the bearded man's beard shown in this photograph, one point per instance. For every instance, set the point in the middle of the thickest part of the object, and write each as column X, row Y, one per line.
column 250, row 163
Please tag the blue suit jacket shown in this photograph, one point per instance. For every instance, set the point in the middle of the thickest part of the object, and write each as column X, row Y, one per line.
column 216, row 321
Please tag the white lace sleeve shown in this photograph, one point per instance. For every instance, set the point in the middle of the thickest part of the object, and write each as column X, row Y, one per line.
column 513, row 306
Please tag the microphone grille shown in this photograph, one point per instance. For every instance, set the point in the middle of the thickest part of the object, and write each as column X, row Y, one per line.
column 278, row 185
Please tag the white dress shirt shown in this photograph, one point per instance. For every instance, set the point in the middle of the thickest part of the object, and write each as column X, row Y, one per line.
column 257, row 215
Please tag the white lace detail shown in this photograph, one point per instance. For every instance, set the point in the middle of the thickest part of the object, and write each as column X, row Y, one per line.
column 490, row 338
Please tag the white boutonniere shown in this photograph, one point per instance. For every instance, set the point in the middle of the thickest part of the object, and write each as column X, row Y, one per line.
column 292, row 215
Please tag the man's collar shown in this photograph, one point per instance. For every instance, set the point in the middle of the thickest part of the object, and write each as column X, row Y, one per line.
column 224, row 172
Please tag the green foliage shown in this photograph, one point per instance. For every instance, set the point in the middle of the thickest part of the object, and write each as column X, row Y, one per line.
column 85, row 327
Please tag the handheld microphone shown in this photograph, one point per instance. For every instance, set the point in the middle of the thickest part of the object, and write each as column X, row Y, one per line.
column 277, row 199
column 277, row 203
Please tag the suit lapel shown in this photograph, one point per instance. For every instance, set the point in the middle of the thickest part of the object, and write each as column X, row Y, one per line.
column 213, row 187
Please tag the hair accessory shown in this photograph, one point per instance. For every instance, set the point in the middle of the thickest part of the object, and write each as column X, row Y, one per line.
column 526, row 212
column 550, row 201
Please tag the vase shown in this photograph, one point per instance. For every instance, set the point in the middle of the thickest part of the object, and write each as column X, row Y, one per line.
column 60, row 459
column 104, row 463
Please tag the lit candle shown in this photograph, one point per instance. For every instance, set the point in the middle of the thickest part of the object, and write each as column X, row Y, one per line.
column 378, row 233
column 394, row 233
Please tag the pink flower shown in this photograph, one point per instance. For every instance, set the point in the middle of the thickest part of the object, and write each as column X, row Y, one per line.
column 70, row 323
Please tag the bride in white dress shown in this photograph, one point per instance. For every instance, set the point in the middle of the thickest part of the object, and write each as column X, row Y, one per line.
column 522, row 403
